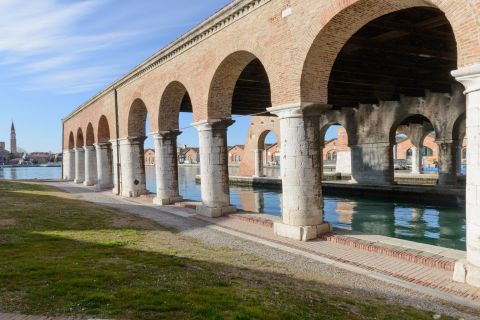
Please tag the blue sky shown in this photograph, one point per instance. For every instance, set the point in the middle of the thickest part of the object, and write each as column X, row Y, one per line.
column 55, row 54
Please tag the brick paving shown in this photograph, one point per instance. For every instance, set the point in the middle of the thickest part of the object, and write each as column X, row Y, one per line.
column 430, row 276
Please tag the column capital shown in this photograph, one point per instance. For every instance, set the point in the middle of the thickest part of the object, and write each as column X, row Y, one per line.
column 212, row 124
column 79, row 149
column 89, row 147
column 469, row 77
column 301, row 109
column 102, row 145
column 132, row 140
column 166, row 134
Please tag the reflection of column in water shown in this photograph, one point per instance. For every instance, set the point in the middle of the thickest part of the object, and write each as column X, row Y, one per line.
column 251, row 200
column 345, row 211
column 452, row 228
column 13, row 173
column 417, row 224
column 374, row 217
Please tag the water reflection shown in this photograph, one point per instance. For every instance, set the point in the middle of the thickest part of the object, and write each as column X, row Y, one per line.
column 433, row 225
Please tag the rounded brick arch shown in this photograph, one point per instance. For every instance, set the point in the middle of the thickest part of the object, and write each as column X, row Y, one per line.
column 223, row 83
column 263, row 135
column 137, row 117
column 170, row 104
column 103, row 132
column 80, row 142
column 397, row 123
column 71, row 141
column 343, row 18
column 90, row 136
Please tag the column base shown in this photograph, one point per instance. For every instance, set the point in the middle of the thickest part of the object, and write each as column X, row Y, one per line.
column 166, row 201
column 215, row 212
column 78, row 181
column 89, row 183
column 465, row 272
column 301, row 233
column 99, row 187
column 134, row 193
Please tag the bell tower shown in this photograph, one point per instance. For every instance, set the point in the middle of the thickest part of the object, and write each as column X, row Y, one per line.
column 13, row 140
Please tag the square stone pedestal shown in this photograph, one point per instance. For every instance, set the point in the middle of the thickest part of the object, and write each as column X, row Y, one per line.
column 166, row 201
column 464, row 272
column 301, row 233
column 215, row 212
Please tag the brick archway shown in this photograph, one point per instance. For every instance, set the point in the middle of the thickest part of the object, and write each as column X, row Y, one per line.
column 103, row 135
column 230, row 91
column 71, row 141
column 174, row 99
column 137, row 117
column 344, row 18
column 80, row 142
column 90, row 138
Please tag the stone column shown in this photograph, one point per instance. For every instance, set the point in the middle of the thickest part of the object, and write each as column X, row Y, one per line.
column 166, row 167
column 301, row 172
column 79, row 165
column 447, row 172
column 132, row 158
column 104, row 166
column 416, row 159
column 214, row 167
column 90, row 166
column 116, row 170
column 69, row 165
column 372, row 163
column 258, row 158
column 469, row 270
column 344, row 162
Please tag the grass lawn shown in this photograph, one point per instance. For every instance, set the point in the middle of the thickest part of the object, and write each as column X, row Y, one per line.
column 63, row 256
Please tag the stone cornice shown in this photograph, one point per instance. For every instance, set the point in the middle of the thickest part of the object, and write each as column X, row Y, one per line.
column 231, row 13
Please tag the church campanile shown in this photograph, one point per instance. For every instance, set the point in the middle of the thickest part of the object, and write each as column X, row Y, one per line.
column 13, row 140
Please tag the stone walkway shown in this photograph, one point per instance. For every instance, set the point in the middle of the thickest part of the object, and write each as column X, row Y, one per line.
column 374, row 271
column 415, row 273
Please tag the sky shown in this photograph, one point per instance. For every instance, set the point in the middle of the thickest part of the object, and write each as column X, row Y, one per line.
column 56, row 54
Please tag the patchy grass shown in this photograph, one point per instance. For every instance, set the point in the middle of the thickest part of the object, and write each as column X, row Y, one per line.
column 63, row 256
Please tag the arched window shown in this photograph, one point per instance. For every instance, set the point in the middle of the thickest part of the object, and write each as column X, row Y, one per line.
column 409, row 153
column 334, row 156
column 427, row 152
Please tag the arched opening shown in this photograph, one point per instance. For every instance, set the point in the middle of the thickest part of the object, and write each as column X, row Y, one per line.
column 71, row 141
column 239, row 89
column 80, row 141
column 103, row 134
column 336, row 154
column 414, row 148
column 179, row 166
column 90, row 139
column 105, row 169
column 133, row 174
column 267, row 155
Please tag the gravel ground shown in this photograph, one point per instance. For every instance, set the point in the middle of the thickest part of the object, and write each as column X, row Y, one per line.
column 326, row 273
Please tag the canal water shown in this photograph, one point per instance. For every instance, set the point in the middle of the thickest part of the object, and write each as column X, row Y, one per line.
column 441, row 226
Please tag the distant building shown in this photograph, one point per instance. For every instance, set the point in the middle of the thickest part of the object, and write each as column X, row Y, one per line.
column 13, row 140
column 192, row 156
column 150, row 157
column 271, row 155
column 40, row 157
column 235, row 154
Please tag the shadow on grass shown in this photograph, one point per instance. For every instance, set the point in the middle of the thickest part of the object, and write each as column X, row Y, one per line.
column 66, row 257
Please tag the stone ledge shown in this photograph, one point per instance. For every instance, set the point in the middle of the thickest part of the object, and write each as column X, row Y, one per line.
column 214, row 212
column 408, row 254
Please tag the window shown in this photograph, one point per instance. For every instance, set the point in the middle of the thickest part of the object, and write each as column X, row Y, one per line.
column 464, row 153
column 334, row 156
column 409, row 153
column 427, row 152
